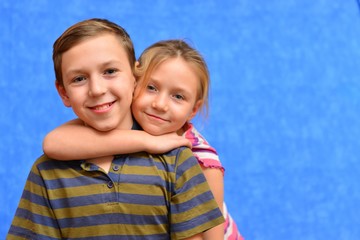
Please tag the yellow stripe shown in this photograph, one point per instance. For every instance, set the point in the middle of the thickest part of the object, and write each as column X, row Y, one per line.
column 67, row 173
column 78, row 191
column 39, row 229
column 115, row 229
column 196, row 230
column 106, row 208
column 194, row 212
column 35, row 208
column 190, row 193
column 15, row 237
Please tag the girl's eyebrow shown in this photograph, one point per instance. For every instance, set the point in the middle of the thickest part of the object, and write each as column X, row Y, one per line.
column 183, row 91
column 152, row 79
column 179, row 88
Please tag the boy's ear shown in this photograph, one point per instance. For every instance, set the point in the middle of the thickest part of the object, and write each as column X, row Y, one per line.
column 62, row 92
column 195, row 109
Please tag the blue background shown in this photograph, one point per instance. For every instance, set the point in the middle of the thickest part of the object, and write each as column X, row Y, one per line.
column 285, row 100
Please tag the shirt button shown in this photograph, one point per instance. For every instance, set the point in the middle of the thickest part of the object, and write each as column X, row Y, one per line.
column 110, row 184
column 116, row 167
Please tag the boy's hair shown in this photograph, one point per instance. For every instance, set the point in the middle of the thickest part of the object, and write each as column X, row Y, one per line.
column 87, row 29
column 161, row 51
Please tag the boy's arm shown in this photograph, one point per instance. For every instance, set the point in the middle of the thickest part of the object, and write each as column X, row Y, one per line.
column 201, row 213
column 214, row 174
column 73, row 140
column 34, row 217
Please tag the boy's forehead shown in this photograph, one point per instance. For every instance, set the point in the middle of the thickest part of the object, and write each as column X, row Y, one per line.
column 101, row 37
column 100, row 49
column 105, row 42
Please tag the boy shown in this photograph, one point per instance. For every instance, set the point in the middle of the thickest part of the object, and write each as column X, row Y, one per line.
column 134, row 196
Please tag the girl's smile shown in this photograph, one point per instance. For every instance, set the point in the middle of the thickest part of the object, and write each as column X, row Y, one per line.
column 169, row 100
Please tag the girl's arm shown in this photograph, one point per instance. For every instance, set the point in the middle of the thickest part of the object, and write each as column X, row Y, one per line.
column 215, row 179
column 73, row 140
column 195, row 237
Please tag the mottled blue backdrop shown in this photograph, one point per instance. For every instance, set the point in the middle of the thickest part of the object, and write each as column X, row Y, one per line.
column 285, row 101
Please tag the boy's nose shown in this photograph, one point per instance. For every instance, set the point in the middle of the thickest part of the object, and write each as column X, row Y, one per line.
column 97, row 87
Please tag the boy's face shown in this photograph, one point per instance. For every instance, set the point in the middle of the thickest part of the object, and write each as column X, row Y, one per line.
column 98, row 83
column 169, row 100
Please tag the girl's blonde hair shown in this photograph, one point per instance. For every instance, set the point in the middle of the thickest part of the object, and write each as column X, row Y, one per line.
column 161, row 51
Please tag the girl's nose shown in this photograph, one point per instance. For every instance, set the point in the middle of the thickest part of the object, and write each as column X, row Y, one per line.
column 97, row 87
column 160, row 103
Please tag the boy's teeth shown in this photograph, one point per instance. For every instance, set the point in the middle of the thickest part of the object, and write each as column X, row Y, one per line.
column 102, row 107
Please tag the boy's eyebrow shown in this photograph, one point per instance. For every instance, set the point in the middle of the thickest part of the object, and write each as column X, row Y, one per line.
column 81, row 69
column 72, row 72
column 110, row 62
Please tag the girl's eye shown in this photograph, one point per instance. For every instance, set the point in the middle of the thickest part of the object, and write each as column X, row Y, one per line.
column 179, row 97
column 151, row 88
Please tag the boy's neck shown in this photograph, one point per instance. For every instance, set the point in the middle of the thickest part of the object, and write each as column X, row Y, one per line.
column 105, row 162
column 128, row 126
column 135, row 125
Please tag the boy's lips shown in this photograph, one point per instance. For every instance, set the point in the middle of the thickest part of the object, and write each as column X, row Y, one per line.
column 102, row 107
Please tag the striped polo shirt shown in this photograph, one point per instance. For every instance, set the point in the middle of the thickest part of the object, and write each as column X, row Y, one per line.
column 143, row 196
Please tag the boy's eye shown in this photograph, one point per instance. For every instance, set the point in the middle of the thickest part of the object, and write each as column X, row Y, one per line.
column 78, row 79
column 110, row 71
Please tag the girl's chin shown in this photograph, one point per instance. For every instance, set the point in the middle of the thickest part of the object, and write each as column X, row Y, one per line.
column 157, row 132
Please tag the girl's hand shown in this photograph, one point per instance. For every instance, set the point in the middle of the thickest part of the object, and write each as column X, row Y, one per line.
column 165, row 143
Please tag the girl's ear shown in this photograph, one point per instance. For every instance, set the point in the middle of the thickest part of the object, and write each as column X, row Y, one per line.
column 137, row 64
column 195, row 109
column 62, row 93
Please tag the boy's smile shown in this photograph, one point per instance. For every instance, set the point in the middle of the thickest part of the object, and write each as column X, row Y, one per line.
column 98, row 83
column 102, row 108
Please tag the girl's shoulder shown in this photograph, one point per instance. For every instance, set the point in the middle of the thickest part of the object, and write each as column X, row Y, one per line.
column 202, row 150
column 193, row 135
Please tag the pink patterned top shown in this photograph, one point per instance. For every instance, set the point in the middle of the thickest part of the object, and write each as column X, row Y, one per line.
column 208, row 157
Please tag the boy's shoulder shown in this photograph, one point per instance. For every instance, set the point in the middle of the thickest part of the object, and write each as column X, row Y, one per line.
column 173, row 156
column 181, row 152
column 46, row 163
column 176, row 156
column 42, row 160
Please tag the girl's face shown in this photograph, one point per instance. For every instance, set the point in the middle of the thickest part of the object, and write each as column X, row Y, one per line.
column 169, row 100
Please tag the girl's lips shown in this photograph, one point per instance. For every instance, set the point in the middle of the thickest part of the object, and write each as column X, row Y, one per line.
column 156, row 117
column 103, row 107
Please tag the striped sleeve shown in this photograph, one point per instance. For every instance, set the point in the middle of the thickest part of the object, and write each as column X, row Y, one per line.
column 34, row 218
column 192, row 209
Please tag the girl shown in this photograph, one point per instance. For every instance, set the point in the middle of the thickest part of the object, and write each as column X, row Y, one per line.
column 172, row 87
